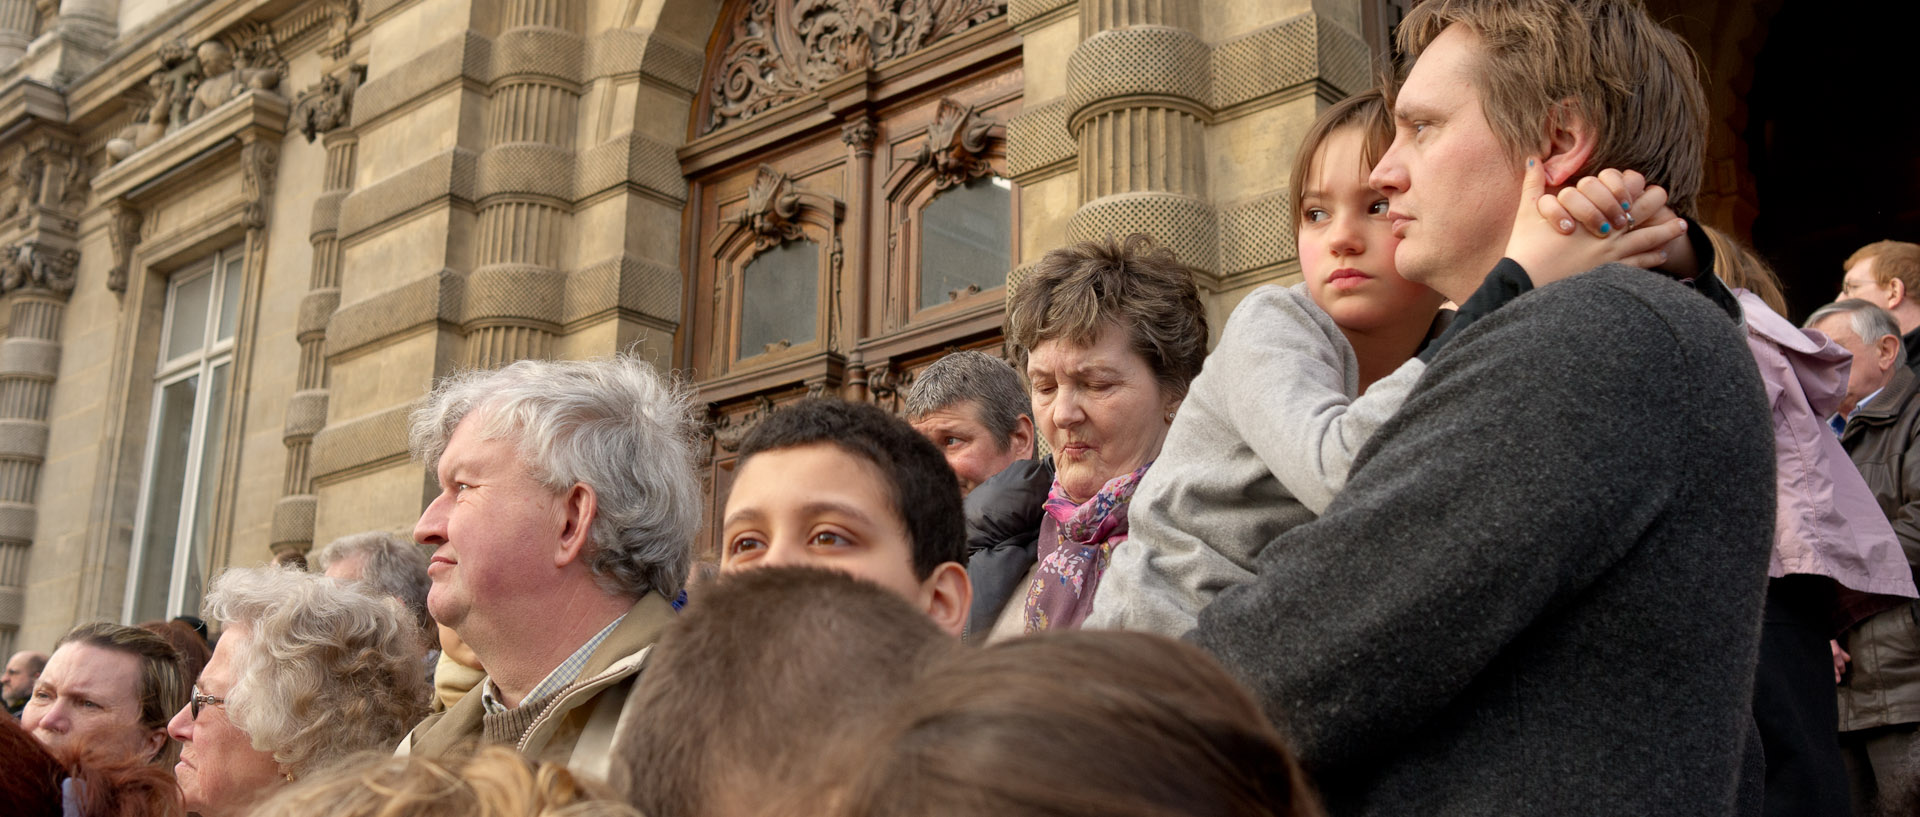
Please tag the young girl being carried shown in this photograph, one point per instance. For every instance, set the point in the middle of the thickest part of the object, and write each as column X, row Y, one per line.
column 1304, row 375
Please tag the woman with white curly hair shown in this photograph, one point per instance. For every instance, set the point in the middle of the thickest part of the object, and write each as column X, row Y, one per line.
column 308, row 672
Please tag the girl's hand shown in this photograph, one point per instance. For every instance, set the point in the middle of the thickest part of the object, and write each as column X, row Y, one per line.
column 1547, row 244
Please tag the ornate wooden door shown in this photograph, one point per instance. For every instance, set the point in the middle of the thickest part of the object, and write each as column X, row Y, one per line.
column 849, row 218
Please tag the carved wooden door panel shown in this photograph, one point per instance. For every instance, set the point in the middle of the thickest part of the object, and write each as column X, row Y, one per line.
column 849, row 219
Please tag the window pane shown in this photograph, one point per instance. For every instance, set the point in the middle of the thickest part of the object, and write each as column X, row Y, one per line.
column 187, row 323
column 230, row 297
column 966, row 240
column 212, row 445
column 779, row 297
column 171, row 437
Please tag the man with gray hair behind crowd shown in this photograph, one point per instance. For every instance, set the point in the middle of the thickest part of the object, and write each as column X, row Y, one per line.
column 1879, row 421
column 561, row 534
column 390, row 565
column 975, row 410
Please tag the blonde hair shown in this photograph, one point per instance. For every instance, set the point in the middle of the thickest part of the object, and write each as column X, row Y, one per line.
column 493, row 782
column 332, row 669
column 1631, row 79
column 1738, row 266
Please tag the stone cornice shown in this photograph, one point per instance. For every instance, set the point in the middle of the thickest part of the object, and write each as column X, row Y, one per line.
column 27, row 100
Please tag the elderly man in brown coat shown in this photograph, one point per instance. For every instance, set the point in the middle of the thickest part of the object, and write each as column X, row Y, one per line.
column 1880, row 694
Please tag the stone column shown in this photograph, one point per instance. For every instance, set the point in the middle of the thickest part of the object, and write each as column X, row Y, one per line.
column 1138, row 87
column 29, row 359
column 516, row 291
column 17, row 24
column 293, row 515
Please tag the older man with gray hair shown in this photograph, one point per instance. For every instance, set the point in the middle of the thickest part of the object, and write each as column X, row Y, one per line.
column 389, row 564
column 561, row 534
column 1879, row 696
column 974, row 409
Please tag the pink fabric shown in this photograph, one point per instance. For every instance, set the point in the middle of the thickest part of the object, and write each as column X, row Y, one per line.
column 1827, row 522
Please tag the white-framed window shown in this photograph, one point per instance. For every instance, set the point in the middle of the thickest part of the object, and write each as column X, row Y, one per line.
column 168, row 574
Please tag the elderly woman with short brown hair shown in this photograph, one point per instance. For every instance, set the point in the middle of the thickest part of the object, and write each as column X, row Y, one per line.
column 308, row 671
column 1109, row 334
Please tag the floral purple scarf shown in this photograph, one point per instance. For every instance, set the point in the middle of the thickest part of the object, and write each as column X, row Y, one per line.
column 1076, row 542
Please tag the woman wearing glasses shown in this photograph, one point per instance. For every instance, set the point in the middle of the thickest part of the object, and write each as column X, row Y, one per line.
column 308, row 671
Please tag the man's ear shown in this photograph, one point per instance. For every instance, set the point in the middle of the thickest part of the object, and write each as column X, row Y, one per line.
column 1887, row 351
column 579, row 507
column 1896, row 293
column 1570, row 143
column 1020, row 442
column 949, row 595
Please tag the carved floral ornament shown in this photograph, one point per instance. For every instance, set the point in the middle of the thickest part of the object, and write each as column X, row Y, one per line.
column 730, row 430
column 956, row 147
column 781, row 50
column 328, row 104
column 32, row 265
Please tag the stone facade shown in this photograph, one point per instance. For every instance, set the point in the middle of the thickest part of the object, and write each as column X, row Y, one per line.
column 409, row 187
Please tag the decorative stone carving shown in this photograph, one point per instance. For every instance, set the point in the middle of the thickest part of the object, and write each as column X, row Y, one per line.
column 258, row 61
column 219, row 80
column 124, row 234
column 341, row 15
column 773, row 209
column 784, row 49
column 75, row 181
column 191, row 82
column 26, row 178
column 257, row 163
column 327, row 105
column 889, row 381
column 956, row 147
column 858, row 133
column 731, row 429
column 31, row 265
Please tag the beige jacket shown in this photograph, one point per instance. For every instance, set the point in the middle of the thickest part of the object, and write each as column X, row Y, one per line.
column 578, row 728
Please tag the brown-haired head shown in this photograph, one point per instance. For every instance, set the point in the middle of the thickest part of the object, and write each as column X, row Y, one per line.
column 164, row 685
column 1367, row 111
column 1891, row 260
column 193, row 651
column 1145, row 290
column 1072, row 723
column 1633, row 81
column 1740, row 267
column 762, row 670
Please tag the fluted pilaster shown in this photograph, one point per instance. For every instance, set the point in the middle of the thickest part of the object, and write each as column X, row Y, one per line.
column 18, row 19
column 1138, row 91
column 29, row 359
column 525, row 211
column 293, row 515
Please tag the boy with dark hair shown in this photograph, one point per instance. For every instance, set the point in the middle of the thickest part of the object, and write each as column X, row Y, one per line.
column 850, row 487
column 766, row 669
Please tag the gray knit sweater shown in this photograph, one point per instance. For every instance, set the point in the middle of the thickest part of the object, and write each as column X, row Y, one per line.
column 1540, row 591
column 1262, row 442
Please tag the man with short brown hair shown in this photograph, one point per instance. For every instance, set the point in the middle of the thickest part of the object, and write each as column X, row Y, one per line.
column 1540, row 590
column 1887, row 275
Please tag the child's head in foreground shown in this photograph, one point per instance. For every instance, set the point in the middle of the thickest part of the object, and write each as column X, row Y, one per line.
column 849, row 487
column 744, row 694
column 1068, row 723
column 1346, row 239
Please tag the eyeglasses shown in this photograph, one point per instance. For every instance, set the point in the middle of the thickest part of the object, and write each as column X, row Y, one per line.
column 199, row 700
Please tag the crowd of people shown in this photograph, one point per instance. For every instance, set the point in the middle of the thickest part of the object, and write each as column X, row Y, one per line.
column 1527, row 499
